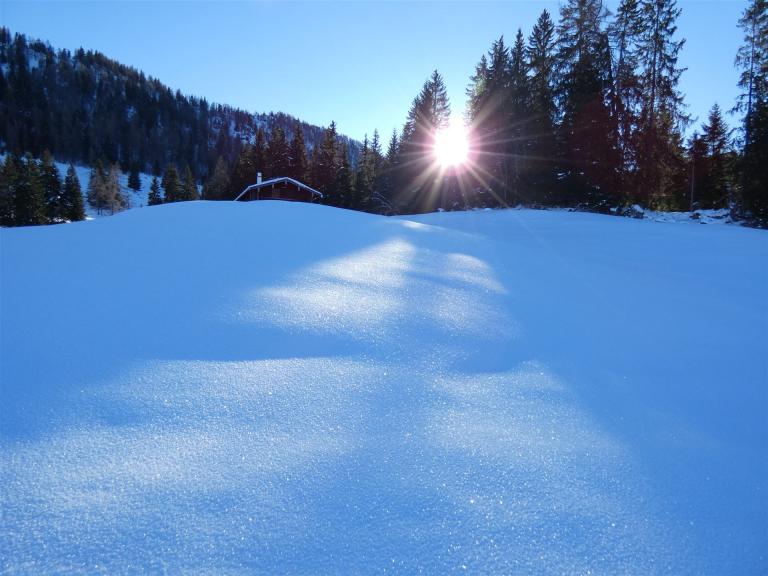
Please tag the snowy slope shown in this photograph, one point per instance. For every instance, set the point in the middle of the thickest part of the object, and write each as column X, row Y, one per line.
column 278, row 388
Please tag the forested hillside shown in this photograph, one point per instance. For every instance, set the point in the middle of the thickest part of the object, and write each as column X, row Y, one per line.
column 84, row 107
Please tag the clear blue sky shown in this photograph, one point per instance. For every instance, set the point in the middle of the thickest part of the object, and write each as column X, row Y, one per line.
column 358, row 63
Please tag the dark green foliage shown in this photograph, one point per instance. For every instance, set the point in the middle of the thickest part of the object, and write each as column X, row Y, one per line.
column 716, row 187
column 83, row 106
column 217, row 187
column 97, row 183
column 752, row 60
column 8, row 181
column 134, row 182
column 244, row 172
column 51, row 183
column 171, row 186
column 343, row 186
column 72, row 198
column 188, row 189
column 278, row 154
column 155, row 196
column 417, row 185
column 29, row 195
column 325, row 165
column 299, row 165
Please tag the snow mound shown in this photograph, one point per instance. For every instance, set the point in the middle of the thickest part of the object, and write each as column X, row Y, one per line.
column 281, row 388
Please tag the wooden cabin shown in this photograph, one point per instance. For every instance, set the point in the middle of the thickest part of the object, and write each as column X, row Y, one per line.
column 282, row 188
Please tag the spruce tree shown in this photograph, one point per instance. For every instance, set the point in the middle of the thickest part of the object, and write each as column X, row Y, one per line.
column 418, row 184
column 326, row 165
column 278, row 154
column 299, row 165
column 258, row 157
column 244, row 171
column 752, row 60
column 717, row 184
column 8, row 182
column 134, row 181
column 542, row 147
column 217, row 187
column 171, row 184
column 188, row 187
column 518, row 114
column 344, row 190
column 155, row 196
column 29, row 196
column 661, row 115
column 51, row 183
column 73, row 209
column 587, row 133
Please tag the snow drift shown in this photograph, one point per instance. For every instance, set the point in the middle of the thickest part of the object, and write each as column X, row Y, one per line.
column 228, row 388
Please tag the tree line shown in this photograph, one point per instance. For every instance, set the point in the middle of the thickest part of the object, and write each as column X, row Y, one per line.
column 585, row 112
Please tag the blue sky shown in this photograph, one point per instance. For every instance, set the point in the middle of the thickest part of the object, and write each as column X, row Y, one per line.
column 358, row 63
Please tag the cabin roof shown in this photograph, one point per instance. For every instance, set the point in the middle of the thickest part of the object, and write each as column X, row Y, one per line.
column 273, row 181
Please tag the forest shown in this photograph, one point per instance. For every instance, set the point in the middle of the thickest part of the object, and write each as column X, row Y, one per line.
column 584, row 112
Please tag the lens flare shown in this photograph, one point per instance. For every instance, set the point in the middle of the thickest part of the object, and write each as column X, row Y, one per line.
column 451, row 145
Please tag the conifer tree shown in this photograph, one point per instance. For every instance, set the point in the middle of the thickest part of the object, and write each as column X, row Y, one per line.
column 155, row 196
column 325, row 166
column 134, row 181
column 217, row 187
column 97, row 183
column 258, row 157
column 543, row 140
column 587, row 133
column 418, row 185
column 343, row 187
column 752, row 60
column 299, row 166
column 8, row 182
column 626, row 33
column 51, row 183
column 661, row 115
column 518, row 116
column 73, row 209
column 29, row 197
column 244, row 171
column 189, row 187
column 716, row 188
column 278, row 154
column 363, row 177
column 697, row 155
column 171, row 184
column 114, row 199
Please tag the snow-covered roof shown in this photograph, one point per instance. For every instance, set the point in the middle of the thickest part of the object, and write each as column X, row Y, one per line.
column 273, row 181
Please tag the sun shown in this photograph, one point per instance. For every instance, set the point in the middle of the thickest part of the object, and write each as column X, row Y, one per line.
column 451, row 145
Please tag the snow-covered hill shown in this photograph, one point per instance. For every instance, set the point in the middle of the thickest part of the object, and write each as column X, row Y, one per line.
column 243, row 388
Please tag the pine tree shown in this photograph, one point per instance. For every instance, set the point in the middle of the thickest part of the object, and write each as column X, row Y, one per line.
column 278, row 154
column 155, row 197
column 189, row 187
column 217, row 187
column 518, row 114
column 626, row 33
column 661, row 116
column 29, row 197
column 97, row 183
column 697, row 154
column 258, row 158
column 244, row 171
column 344, row 190
column 73, row 209
column 752, row 60
column 587, row 133
column 51, row 183
column 543, row 140
column 8, row 182
column 299, row 166
column 363, row 178
column 171, row 184
column 418, row 184
column 134, row 181
column 325, row 166
column 716, row 188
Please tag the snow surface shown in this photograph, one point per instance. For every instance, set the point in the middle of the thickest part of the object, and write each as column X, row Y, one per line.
column 282, row 388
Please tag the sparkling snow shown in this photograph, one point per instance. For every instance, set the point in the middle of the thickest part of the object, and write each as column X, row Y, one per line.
column 279, row 388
